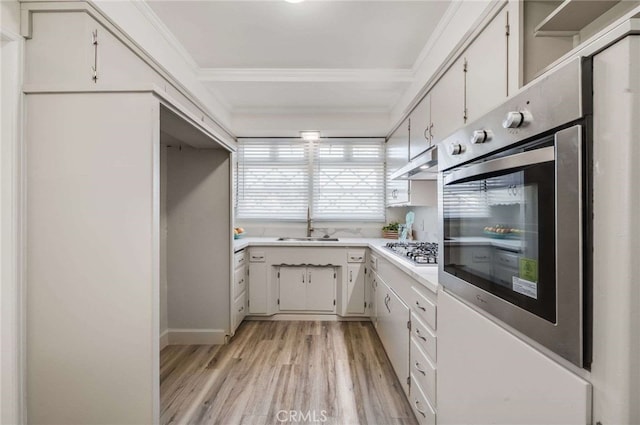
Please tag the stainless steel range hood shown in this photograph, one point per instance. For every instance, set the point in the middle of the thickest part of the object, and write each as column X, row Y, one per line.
column 422, row 167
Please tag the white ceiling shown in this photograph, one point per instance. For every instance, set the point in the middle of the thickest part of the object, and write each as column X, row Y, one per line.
column 317, row 57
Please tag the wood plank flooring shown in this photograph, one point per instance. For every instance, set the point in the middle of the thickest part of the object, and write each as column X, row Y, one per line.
column 284, row 372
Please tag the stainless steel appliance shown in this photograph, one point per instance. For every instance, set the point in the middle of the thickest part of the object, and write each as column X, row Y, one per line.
column 419, row 253
column 515, row 206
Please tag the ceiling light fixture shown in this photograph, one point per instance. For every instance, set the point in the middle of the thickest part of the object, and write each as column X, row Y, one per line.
column 310, row 135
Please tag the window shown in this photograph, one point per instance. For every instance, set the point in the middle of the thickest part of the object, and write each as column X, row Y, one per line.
column 338, row 179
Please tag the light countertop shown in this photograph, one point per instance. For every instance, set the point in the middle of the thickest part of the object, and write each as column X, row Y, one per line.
column 426, row 275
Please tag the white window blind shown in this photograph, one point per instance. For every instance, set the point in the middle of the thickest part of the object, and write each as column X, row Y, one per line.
column 338, row 179
column 272, row 179
column 466, row 200
column 348, row 180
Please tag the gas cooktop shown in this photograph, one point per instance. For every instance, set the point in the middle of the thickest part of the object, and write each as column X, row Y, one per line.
column 419, row 253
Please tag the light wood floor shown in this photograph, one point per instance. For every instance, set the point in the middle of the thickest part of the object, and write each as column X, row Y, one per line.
column 336, row 370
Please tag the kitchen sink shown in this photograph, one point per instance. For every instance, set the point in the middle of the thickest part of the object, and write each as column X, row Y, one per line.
column 310, row 239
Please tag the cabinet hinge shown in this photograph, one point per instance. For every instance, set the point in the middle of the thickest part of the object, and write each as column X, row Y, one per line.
column 365, row 305
column 248, row 272
column 278, row 275
column 465, row 65
column 334, row 275
column 409, row 325
column 278, row 301
column 365, row 270
column 508, row 30
column 248, row 302
column 408, row 380
column 334, row 302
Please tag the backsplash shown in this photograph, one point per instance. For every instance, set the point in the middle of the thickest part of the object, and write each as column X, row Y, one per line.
column 346, row 229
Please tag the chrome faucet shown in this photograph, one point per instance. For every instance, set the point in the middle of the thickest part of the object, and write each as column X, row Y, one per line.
column 309, row 228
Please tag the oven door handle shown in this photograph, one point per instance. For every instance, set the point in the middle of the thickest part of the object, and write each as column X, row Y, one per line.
column 524, row 159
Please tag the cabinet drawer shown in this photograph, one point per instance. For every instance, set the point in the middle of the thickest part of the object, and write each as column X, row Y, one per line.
column 424, row 308
column 239, row 310
column 239, row 259
column 239, row 281
column 373, row 262
column 356, row 256
column 425, row 414
column 507, row 259
column 424, row 372
column 424, row 337
column 257, row 256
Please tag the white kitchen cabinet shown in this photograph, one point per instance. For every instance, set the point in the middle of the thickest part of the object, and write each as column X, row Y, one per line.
column 420, row 132
column 307, row 288
column 488, row 375
column 258, row 282
column 356, row 288
column 397, row 155
column 447, row 102
column 238, row 290
column 293, row 288
column 487, row 68
column 393, row 318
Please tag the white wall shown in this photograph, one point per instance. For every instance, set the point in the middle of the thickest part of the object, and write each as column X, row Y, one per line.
column 11, row 360
column 425, row 225
column 164, row 314
column 198, row 248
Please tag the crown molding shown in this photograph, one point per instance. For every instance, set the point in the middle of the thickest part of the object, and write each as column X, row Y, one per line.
column 439, row 30
column 151, row 16
column 294, row 75
column 309, row 111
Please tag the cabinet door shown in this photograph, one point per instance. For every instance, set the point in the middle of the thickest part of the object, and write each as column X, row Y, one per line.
column 447, row 102
column 487, row 68
column 321, row 289
column 397, row 155
column 372, row 303
column 355, row 288
column 293, row 288
column 257, row 288
column 419, row 138
column 393, row 316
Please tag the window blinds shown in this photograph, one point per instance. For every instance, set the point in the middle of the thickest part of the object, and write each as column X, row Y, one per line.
column 339, row 179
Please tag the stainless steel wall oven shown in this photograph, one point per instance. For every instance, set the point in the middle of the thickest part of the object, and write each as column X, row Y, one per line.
column 515, row 207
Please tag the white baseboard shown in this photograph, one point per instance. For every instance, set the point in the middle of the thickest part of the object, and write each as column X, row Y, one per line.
column 303, row 317
column 164, row 339
column 196, row 336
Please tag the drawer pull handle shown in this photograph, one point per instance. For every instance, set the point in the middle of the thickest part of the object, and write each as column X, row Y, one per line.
column 420, row 307
column 241, row 282
column 420, row 335
column 417, row 403
column 350, row 275
column 240, row 309
column 422, row 371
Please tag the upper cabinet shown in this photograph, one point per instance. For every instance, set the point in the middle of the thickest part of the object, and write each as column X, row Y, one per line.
column 397, row 155
column 486, row 63
column 420, row 131
column 447, row 103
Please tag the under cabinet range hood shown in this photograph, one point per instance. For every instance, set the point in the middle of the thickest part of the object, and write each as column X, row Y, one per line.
column 422, row 167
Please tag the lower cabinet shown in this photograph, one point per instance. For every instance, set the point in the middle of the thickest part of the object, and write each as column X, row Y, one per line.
column 393, row 330
column 258, row 290
column 307, row 288
column 355, row 288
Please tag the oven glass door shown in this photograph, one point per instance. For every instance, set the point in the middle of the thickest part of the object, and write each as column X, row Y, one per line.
column 499, row 228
